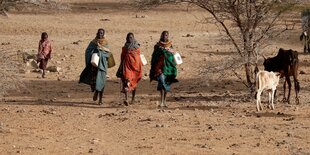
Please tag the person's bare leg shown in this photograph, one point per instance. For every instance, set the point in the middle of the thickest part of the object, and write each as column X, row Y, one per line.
column 133, row 96
column 126, row 98
column 125, row 90
column 162, row 99
column 43, row 73
column 100, row 97
column 165, row 96
column 95, row 97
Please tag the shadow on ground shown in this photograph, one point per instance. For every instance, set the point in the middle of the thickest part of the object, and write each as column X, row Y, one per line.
column 71, row 93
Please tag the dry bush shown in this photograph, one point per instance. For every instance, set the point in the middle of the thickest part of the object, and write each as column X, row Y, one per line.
column 31, row 6
column 11, row 65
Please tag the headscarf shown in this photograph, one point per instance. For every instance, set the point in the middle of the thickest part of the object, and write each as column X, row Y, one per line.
column 131, row 43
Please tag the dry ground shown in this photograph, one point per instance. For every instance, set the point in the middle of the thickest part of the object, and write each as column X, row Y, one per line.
column 207, row 114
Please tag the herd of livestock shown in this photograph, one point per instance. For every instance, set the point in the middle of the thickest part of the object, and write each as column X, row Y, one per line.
column 284, row 64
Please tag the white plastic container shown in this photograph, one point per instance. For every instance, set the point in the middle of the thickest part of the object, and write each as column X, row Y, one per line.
column 144, row 62
column 95, row 59
column 177, row 58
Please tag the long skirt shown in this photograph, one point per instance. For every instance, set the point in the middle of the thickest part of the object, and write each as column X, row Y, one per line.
column 43, row 63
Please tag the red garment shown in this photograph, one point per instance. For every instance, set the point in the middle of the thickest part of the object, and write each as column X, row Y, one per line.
column 159, row 66
column 43, row 64
column 44, row 50
column 132, row 67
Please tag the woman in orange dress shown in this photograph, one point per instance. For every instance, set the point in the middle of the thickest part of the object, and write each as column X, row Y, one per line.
column 130, row 69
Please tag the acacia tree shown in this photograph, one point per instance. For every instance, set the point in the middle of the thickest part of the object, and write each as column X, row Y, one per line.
column 255, row 21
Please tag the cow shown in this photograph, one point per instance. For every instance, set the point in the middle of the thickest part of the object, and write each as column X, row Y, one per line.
column 285, row 62
column 305, row 37
column 266, row 81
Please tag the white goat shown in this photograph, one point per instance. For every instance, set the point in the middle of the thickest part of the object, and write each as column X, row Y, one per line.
column 266, row 81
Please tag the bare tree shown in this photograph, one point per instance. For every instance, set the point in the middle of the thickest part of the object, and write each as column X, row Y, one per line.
column 255, row 21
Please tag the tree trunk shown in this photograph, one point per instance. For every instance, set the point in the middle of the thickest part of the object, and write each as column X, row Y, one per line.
column 247, row 48
column 248, row 70
column 248, row 74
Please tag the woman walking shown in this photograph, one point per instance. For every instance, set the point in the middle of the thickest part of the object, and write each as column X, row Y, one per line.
column 163, row 66
column 95, row 76
column 130, row 69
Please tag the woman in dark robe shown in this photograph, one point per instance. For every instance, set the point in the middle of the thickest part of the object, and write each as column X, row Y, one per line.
column 163, row 66
column 96, row 76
